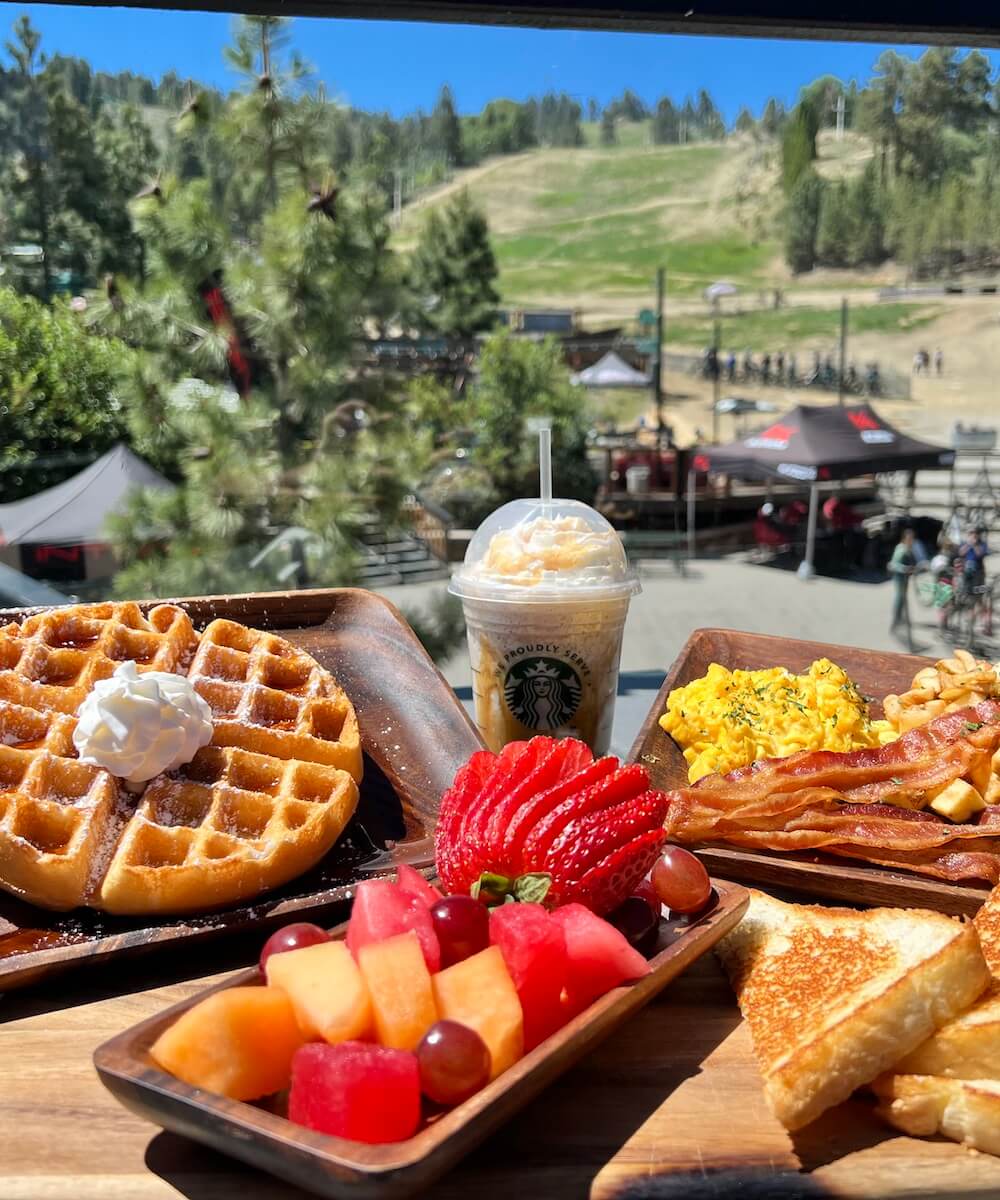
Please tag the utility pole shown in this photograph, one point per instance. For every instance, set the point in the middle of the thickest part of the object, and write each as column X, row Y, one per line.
column 843, row 350
column 716, row 373
column 658, row 356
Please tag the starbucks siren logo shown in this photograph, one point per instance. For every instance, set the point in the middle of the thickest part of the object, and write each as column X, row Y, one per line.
column 542, row 693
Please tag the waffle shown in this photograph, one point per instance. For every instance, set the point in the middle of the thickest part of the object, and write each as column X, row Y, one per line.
column 260, row 804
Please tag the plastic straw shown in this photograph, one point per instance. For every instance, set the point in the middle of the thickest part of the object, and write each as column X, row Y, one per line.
column 545, row 464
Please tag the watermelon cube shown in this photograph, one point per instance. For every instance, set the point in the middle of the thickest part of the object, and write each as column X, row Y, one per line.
column 383, row 910
column 409, row 880
column 356, row 1090
column 534, row 951
column 599, row 957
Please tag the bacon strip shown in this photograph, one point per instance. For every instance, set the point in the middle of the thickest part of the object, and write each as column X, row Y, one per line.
column 836, row 802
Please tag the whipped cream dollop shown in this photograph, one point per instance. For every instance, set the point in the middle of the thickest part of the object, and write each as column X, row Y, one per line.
column 547, row 546
column 139, row 725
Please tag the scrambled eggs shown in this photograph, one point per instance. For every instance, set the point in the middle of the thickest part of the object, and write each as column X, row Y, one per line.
column 727, row 719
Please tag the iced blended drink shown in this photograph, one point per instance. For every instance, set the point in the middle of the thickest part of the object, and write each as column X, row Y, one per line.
column 545, row 587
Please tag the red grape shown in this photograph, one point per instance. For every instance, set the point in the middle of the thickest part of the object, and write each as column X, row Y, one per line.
column 636, row 920
column 462, row 926
column 292, row 937
column 681, row 881
column 454, row 1062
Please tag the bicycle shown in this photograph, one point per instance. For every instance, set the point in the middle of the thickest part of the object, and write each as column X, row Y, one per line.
column 973, row 607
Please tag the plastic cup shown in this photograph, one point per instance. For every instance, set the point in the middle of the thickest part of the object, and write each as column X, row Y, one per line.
column 545, row 587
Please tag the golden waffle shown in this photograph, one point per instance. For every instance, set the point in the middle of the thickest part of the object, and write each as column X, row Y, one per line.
column 258, row 806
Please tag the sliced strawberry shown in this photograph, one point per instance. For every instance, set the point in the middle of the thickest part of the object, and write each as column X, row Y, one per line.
column 588, row 840
column 608, row 884
column 544, row 808
column 536, row 809
column 558, row 765
column 469, row 853
column 535, row 770
column 624, row 783
column 467, row 785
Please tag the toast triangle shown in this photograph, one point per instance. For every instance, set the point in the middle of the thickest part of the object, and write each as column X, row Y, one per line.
column 965, row 1110
column 968, row 1046
column 834, row 997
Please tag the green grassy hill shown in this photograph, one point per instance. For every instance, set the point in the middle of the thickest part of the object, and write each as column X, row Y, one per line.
column 586, row 228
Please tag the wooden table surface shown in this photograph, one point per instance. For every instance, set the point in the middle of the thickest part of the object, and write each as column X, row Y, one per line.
column 671, row 1105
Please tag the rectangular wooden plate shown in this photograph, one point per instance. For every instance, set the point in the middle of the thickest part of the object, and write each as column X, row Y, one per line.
column 877, row 673
column 415, row 735
column 335, row 1167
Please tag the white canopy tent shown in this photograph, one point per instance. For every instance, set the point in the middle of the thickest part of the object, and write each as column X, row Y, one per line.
column 611, row 371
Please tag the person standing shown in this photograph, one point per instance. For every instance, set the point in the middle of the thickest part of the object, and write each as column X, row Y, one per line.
column 902, row 564
column 939, row 361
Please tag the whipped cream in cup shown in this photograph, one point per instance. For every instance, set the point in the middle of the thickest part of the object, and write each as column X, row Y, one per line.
column 545, row 587
column 137, row 726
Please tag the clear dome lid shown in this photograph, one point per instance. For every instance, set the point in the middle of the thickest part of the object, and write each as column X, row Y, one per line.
column 540, row 550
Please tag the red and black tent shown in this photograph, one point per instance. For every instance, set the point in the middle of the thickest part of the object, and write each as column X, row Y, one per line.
column 813, row 443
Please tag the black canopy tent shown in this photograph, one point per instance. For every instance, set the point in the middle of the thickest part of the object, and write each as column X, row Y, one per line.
column 74, row 512
column 813, row 444
column 61, row 532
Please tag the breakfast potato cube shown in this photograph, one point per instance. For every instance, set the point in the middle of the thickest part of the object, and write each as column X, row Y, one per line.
column 980, row 773
column 957, row 801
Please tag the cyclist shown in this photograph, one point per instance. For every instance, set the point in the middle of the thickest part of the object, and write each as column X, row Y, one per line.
column 972, row 552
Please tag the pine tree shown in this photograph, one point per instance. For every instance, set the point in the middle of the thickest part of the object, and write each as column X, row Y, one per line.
column 666, row 123
column 609, row 134
column 445, row 133
column 453, row 271
column 835, row 238
column 709, row 120
column 519, row 379
column 868, row 213
column 57, row 177
column 773, row 119
column 242, row 388
column 744, row 121
column 28, row 139
column 802, row 222
column 880, row 105
column 798, row 144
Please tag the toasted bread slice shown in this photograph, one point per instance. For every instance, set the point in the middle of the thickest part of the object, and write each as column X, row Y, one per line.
column 968, row 1046
column 835, row 997
column 965, row 1110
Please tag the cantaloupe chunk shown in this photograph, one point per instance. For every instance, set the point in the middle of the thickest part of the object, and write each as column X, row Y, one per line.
column 326, row 990
column 238, row 1043
column 480, row 993
column 399, row 986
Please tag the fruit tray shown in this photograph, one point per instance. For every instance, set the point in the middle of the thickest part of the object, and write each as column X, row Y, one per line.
column 876, row 673
column 331, row 1166
column 415, row 735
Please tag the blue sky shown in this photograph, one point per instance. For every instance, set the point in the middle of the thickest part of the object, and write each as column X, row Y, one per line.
column 401, row 66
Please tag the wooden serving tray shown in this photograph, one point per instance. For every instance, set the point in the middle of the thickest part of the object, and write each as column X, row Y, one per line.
column 335, row 1167
column 415, row 735
column 877, row 673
